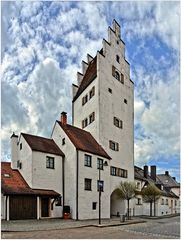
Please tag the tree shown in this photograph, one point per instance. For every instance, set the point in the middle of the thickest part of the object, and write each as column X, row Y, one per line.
column 151, row 194
column 126, row 191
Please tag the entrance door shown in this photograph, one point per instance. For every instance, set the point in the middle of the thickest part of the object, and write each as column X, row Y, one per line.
column 45, row 207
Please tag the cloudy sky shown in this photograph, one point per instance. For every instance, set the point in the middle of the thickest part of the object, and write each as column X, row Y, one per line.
column 43, row 44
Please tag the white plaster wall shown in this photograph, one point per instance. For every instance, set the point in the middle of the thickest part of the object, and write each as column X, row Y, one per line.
column 25, row 156
column 70, row 167
column 86, row 198
column 46, row 178
column 3, row 206
column 81, row 112
column 14, row 152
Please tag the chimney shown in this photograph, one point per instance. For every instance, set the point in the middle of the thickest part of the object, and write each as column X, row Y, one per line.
column 146, row 171
column 153, row 172
column 63, row 118
column 167, row 173
column 14, row 151
column 174, row 178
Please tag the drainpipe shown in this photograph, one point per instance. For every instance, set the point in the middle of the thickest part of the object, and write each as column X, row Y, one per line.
column 63, row 180
column 6, row 208
column 77, row 182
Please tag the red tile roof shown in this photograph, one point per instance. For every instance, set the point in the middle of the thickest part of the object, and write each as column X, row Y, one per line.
column 12, row 182
column 83, row 140
column 89, row 76
column 42, row 144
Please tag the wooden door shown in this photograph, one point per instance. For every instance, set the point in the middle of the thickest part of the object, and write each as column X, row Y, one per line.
column 45, row 207
column 22, row 207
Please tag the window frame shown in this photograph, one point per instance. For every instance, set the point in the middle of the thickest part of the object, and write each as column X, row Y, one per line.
column 87, row 184
column 94, row 205
column 91, row 117
column 117, row 75
column 113, row 145
column 50, row 162
column 92, row 92
column 122, row 78
column 113, row 171
column 87, row 160
column 100, row 166
column 118, row 58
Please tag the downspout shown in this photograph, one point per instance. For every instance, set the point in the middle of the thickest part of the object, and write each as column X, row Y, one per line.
column 77, row 182
column 6, row 212
column 63, row 181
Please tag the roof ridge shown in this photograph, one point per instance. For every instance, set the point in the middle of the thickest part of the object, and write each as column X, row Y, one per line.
column 35, row 136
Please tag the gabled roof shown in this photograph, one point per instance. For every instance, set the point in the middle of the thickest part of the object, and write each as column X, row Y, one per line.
column 83, row 140
column 12, row 182
column 42, row 144
column 90, row 75
column 139, row 174
column 168, row 181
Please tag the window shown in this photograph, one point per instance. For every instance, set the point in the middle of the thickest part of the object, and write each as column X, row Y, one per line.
column 20, row 146
column 50, row 162
column 117, row 76
column 122, row 78
column 117, row 42
column 100, row 185
column 91, row 117
column 113, row 171
column 63, row 141
column 138, row 201
column 117, row 58
column 6, row 175
column 166, row 202
column 87, row 160
column 118, row 123
column 87, row 184
column 94, row 205
column 119, row 172
column 175, row 202
column 110, row 90
column 162, row 202
column 113, row 145
column 84, row 123
column 84, row 99
column 92, row 93
column 125, row 101
column 100, row 164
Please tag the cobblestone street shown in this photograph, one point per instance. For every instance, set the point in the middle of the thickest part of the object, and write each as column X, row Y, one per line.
column 152, row 229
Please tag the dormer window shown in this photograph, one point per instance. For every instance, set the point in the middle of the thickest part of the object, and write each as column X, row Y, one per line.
column 117, row 58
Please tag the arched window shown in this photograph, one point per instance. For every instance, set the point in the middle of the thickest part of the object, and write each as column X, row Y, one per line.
column 117, row 76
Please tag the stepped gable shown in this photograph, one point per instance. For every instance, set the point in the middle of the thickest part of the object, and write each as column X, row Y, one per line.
column 42, row 144
column 83, row 140
column 90, row 75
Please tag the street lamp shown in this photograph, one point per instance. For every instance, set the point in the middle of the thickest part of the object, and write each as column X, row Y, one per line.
column 100, row 184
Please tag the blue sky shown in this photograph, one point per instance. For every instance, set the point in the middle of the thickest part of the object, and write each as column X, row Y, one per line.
column 43, row 44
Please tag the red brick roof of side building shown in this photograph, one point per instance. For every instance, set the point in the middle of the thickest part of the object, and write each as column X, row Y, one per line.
column 13, row 183
column 83, row 140
column 42, row 144
column 90, row 75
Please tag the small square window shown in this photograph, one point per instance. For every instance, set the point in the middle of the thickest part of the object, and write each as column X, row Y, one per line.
column 63, row 141
column 87, row 184
column 125, row 101
column 50, row 162
column 87, row 160
column 92, row 93
column 94, row 205
column 110, row 90
column 113, row 171
column 91, row 117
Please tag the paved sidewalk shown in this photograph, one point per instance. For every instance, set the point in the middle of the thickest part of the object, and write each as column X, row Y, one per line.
column 57, row 224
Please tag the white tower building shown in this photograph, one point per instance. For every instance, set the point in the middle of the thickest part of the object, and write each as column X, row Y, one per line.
column 103, row 104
